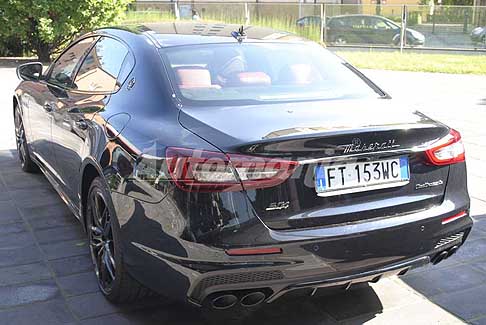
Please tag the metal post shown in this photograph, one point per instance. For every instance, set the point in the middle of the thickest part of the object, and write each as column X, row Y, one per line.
column 404, row 28
column 433, row 22
column 257, row 10
column 473, row 22
column 432, row 13
column 247, row 14
column 176, row 11
column 466, row 20
column 323, row 23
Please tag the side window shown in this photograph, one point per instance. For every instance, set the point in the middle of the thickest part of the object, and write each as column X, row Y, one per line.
column 65, row 65
column 363, row 23
column 375, row 23
column 355, row 22
column 336, row 22
column 392, row 25
column 302, row 21
column 316, row 20
column 100, row 70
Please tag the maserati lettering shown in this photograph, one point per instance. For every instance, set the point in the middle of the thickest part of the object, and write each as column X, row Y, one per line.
column 356, row 146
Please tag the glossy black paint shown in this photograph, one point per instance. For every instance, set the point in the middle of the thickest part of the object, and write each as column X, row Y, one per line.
column 174, row 241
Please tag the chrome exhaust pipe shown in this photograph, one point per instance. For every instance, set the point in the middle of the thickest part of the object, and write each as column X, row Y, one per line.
column 252, row 299
column 452, row 250
column 439, row 257
column 224, row 301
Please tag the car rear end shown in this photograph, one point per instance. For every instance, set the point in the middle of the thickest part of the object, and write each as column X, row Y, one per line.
column 301, row 193
column 337, row 212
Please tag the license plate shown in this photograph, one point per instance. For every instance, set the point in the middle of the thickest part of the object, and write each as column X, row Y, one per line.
column 361, row 176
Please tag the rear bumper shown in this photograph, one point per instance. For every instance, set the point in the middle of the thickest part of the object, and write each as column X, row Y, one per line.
column 278, row 281
column 306, row 264
column 347, row 281
column 184, row 256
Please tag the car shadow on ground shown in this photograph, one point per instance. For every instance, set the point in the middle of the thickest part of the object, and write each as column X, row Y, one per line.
column 323, row 308
column 58, row 245
column 458, row 283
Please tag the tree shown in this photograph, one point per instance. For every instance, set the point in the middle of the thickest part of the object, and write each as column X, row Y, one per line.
column 44, row 26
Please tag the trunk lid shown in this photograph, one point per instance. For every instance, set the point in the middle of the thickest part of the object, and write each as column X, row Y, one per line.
column 324, row 133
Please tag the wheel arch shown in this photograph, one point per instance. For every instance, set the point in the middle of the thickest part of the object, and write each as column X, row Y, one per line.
column 15, row 104
column 90, row 170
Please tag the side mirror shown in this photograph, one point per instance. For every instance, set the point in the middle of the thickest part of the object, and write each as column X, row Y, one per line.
column 63, row 78
column 30, row 71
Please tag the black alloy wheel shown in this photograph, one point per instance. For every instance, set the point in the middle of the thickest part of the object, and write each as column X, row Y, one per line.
column 23, row 152
column 106, row 252
column 101, row 241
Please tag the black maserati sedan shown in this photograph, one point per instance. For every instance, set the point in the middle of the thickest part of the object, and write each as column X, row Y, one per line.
column 227, row 166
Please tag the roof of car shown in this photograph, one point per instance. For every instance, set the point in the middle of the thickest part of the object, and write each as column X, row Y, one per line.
column 166, row 34
column 357, row 15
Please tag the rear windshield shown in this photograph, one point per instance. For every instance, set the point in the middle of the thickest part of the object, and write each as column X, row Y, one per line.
column 260, row 73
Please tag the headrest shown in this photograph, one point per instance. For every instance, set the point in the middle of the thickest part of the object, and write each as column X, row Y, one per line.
column 193, row 77
column 253, row 78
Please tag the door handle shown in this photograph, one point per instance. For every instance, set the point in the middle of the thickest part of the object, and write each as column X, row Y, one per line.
column 48, row 107
column 82, row 124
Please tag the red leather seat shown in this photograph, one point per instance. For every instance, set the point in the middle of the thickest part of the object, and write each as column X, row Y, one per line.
column 193, row 77
column 253, row 78
column 298, row 74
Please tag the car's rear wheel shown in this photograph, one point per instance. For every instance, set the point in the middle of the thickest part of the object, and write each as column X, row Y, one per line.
column 106, row 252
column 340, row 40
column 23, row 150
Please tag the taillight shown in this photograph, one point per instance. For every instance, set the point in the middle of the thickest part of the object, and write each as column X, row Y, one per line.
column 448, row 150
column 208, row 171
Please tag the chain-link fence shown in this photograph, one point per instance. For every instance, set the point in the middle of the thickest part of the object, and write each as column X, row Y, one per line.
column 375, row 25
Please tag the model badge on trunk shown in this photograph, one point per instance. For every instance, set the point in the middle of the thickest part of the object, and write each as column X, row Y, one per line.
column 278, row 206
column 427, row 184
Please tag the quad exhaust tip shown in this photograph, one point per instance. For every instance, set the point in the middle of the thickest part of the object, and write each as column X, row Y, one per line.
column 452, row 250
column 228, row 300
column 443, row 255
column 252, row 299
column 439, row 257
column 224, row 301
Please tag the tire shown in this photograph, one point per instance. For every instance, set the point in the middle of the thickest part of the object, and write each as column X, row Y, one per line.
column 106, row 252
column 23, row 150
column 340, row 40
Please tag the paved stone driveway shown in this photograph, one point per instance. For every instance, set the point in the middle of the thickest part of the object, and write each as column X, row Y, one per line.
column 46, row 275
column 459, row 283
